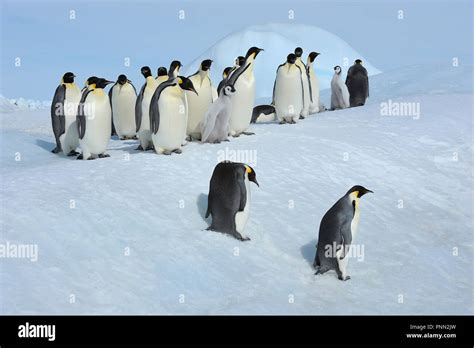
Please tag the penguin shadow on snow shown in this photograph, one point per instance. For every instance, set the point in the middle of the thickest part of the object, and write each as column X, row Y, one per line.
column 308, row 251
column 202, row 206
column 47, row 145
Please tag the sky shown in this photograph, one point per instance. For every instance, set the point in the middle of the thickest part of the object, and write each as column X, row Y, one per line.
column 40, row 40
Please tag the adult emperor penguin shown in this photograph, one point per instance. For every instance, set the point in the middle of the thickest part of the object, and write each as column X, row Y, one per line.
column 94, row 120
column 169, row 114
column 215, row 124
column 123, row 98
column 142, row 109
column 244, row 97
column 225, row 75
column 304, row 78
column 339, row 92
column 288, row 91
column 313, row 84
column 63, row 115
column 229, row 198
column 199, row 102
column 357, row 82
column 162, row 74
column 173, row 72
column 337, row 231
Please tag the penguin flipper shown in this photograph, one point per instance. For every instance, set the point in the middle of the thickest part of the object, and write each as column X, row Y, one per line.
column 58, row 119
column 154, row 109
column 138, row 108
column 243, row 190
column 81, row 117
column 346, row 235
column 114, row 132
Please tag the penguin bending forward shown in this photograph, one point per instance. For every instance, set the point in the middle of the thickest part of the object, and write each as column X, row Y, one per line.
column 337, row 231
column 229, row 198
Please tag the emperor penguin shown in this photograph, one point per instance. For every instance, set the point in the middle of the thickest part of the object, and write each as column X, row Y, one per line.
column 239, row 61
column 339, row 92
column 199, row 103
column 169, row 114
column 337, row 230
column 229, row 198
column 88, row 82
column 173, row 72
column 225, row 75
column 243, row 99
column 63, row 115
column 123, row 97
column 94, row 121
column 304, row 78
column 313, row 84
column 142, row 109
column 162, row 75
column 288, row 91
column 357, row 82
column 215, row 124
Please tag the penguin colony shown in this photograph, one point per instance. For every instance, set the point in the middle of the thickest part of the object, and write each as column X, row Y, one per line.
column 170, row 110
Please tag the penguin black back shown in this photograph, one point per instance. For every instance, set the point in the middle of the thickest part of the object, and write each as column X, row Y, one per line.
column 357, row 82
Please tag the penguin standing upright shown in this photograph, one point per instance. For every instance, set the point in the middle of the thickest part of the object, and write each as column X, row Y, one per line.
column 304, row 79
column 229, row 198
column 288, row 91
column 357, row 82
column 142, row 109
column 169, row 114
column 244, row 98
column 337, row 231
column 162, row 75
column 63, row 115
column 199, row 103
column 339, row 92
column 313, row 84
column 123, row 98
column 215, row 124
column 94, row 120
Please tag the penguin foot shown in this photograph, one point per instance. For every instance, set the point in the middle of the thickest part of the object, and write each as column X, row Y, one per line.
column 166, row 152
column 340, row 277
column 236, row 135
column 178, row 151
column 73, row 153
column 123, row 138
column 226, row 140
column 91, row 158
column 134, row 137
column 139, row 148
column 151, row 147
column 189, row 138
column 79, row 157
column 57, row 149
column 104, row 155
column 292, row 122
column 302, row 117
column 248, row 133
column 282, row 122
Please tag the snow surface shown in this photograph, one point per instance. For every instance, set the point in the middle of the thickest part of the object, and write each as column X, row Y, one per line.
column 278, row 40
column 154, row 205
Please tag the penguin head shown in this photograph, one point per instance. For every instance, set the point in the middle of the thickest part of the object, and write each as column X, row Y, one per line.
column 291, row 59
column 312, row 56
column 226, row 72
column 361, row 190
column 146, row 71
column 298, row 52
column 68, row 77
column 338, row 69
column 240, row 60
column 162, row 71
column 101, row 83
column 358, row 61
column 186, row 84
column 229, row 90
column 122, row 79
column 206, row 64
column 91, row 81
column 174, row 66
column 251, row 174
column 253, row 51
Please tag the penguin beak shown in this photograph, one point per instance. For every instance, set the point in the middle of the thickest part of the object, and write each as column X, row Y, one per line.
column 255, row 181
column 129, row 81
column 193, row 90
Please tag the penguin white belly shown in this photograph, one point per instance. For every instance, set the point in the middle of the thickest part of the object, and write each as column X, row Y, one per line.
column 198, row 106
column 144, row 133
column 172, row 127
column 214, row 94
column 123, row 105
column 314, row 105
column 241, row 217
column 242, row 101
column 354, row 225
column 288, row 95
column 98, row 124
column 70, row 138
column 306, row 96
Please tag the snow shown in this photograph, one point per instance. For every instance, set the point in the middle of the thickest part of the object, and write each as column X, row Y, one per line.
column 154, row 205
column 278, row 40
column 8, row 105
